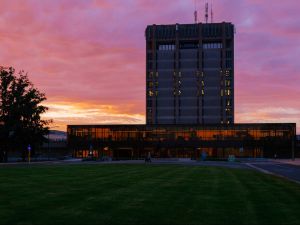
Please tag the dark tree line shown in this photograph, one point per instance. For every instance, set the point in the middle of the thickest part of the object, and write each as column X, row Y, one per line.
column 20, row 114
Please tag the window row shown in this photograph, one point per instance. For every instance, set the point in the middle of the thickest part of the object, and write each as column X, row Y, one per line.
column 212, row 45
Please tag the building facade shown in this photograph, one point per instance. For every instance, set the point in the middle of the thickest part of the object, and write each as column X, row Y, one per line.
column 189, row 104
column 183, row 141
column 190, row 73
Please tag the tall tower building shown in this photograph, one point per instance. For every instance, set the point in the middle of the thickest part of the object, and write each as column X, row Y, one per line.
column 190, row 73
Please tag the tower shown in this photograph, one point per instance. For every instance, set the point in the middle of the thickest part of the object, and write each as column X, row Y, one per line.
column 190, row 73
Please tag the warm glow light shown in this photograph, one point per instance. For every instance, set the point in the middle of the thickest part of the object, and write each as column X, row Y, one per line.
column 64, row 113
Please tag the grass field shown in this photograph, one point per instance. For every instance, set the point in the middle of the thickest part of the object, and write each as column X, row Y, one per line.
column 145, row 194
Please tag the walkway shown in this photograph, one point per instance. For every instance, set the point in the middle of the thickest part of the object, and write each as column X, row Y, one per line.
column 290, row 171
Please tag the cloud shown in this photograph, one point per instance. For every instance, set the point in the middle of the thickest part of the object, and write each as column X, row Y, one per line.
column 269, row 115
column 64, row 113
column 92, row 52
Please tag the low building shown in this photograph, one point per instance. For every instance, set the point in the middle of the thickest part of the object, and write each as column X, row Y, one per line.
column 183, row 141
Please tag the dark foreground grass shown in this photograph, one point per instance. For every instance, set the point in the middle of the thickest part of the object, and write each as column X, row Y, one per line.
column 145, row 194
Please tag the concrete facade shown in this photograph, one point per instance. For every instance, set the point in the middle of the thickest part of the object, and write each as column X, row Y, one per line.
column 190, row 74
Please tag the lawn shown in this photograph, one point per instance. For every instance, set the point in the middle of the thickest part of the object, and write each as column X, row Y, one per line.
column 145, row 194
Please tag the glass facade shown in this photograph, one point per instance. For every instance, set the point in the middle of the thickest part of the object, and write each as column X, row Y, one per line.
column 182, row 141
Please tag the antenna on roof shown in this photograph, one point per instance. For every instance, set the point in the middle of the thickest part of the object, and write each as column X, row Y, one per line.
column 206, row 12
column 211, row 13
column 195, row 12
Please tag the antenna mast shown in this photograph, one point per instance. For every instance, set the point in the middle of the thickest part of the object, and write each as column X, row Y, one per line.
column 195, row 13
column 211, row 13
column 206, row 12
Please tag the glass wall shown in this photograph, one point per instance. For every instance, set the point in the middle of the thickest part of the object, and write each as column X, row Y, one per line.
column 184, row 141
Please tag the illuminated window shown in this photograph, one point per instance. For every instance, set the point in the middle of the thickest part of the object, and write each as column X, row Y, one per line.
column 156, row 93
column 202, row 92
column 227, row 73
column 179, row 74
column 202, row 83
column 222, row 92
column 156, row 74
column 179, row 92
column 228, row 103
column 150, row 84
column 150, row 93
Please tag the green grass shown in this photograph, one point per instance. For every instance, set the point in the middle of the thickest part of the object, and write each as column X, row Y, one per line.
column 145, row 194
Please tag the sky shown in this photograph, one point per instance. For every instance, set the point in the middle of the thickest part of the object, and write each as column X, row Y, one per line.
column 88, row 56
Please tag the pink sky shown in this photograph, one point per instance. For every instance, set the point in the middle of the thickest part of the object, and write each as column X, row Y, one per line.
column 88, row 56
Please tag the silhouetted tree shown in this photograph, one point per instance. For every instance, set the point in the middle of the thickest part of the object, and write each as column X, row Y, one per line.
column 20, row 114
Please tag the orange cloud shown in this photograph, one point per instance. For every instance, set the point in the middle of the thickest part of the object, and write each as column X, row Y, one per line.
column 64, row 113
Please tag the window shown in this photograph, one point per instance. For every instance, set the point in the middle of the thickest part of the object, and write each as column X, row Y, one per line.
column 227, row 92
column 228, row 103
column 227, row 73
column 212, row 45
column 150, row 93
column 189, row 45
column 166, row 47
column 228, row 54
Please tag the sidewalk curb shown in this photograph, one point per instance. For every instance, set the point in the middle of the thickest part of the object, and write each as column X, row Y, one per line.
column 271, row 173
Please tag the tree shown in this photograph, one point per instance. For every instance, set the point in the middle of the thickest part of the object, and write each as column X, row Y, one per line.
column 20, row 113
